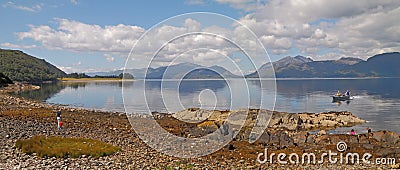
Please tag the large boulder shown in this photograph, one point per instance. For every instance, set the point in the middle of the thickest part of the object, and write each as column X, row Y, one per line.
column 300, row 138
column 385, row 136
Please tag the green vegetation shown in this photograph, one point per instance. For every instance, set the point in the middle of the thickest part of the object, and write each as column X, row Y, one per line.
column 89, row 79
column 19, row 66
column 77, row 75
column 4, row 80
column 126, row 76
column 60, row 147
column 83, row 76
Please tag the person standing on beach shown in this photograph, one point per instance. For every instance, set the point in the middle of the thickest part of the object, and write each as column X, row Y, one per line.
column 59, row 123
column 352, row 132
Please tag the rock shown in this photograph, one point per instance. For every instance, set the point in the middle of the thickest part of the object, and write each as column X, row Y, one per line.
column 327, row 123
column 231, row 147
column 285, row 141
column 387, row 152
column 385, row 136
column 364, row 138
column 321, row 132
column 324, row 139
column 264, row 138
column 311, row 139
column 367, row 146
column 395, row 166
column 300, row 137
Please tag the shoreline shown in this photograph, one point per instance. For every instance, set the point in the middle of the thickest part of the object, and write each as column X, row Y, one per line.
column 23, row 118
column 94, row 80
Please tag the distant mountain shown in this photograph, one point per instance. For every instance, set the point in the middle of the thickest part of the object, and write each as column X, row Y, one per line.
column 287, row 61
column 213, row 72
column 382, row 65
column 189, row 71
column 285, row 66
column 349, row 60
column 182, row 70
column 19, row 66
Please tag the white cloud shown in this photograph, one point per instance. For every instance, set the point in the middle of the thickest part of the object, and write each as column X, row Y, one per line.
column 77, row 64
column 109, row 58
column 68, row 69
column 350, row 28
column 119, row 39
column 77, row 36
column 192, row 25
column 33, row 8
column 75, row 2
column 11, row 45
column 194, row 2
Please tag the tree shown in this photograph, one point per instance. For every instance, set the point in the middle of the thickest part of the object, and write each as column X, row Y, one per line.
column 126, row 76
column 4, row 80
column 77, row 75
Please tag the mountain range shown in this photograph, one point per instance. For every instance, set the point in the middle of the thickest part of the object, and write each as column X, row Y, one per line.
column 194, row 71
column 381, row 65
column 19, row 66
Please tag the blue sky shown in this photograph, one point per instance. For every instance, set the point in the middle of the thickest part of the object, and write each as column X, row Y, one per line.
column 90, row 36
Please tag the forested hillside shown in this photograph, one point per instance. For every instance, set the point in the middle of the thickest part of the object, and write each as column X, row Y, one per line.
column 19, row 66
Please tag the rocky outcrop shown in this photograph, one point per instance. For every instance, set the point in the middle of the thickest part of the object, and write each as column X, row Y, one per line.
column 309, row 121
column 17, row 87
column 380, row 138
column 278, row 120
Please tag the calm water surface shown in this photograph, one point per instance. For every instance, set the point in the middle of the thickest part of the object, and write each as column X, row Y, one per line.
column 376, row 100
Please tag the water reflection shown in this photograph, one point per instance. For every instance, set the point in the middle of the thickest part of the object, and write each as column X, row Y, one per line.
column 385, row 87
column 376, row 100
column 46, row 91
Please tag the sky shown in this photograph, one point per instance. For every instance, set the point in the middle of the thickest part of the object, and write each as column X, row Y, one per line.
column 94, row 36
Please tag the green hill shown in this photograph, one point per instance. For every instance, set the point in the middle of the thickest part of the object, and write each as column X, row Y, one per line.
column 19, row 66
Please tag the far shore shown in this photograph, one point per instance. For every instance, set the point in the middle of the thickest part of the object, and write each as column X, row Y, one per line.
column 92, row 79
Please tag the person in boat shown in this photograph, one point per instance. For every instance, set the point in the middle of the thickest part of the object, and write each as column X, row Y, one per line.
column 347, row 93
column 338, row 93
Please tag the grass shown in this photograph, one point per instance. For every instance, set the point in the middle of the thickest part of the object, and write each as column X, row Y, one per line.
column 61, row 147
column 89, row 79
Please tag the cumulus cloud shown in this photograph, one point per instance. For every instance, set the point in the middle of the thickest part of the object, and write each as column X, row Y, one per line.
column 163, row 43
column 77, row 36
column 11, row 45
column 192, row 24
column 33, row 8
column 352, row 28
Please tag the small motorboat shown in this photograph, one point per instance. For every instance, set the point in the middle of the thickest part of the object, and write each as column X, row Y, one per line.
column 342, row 98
